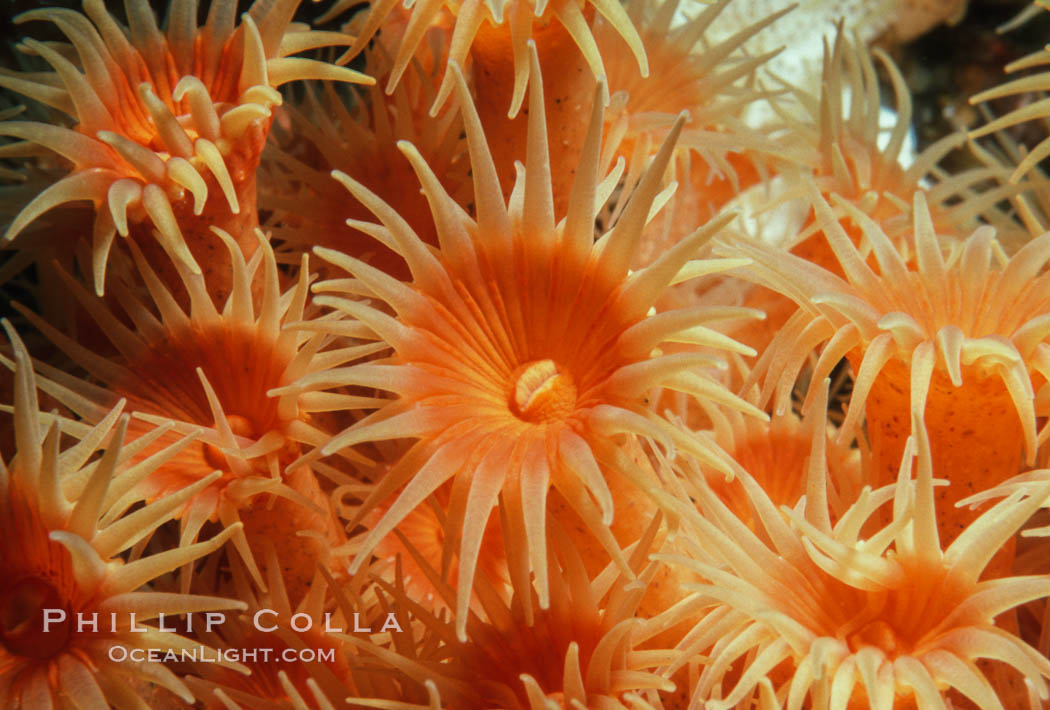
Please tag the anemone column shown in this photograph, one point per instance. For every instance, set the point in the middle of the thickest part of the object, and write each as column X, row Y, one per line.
column 568, row 82
column 231, row 205
column 976, row 435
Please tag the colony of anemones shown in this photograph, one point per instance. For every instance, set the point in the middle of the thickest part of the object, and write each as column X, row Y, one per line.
column 512, row 354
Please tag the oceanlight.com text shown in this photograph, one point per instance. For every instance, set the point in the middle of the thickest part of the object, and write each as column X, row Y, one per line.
column 204, row 654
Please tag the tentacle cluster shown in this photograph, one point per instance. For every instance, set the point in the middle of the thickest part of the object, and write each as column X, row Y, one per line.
column 480, row 22
column 361, row 142
column 581, row 651
column 220, row 370
column 67, row 596
column 972, row 314
column 162, row 121
column 824, row 616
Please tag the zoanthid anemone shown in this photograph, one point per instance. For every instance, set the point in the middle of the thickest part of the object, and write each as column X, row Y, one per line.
column 838, row 145
column 714, row 81
column 167, row 126
column 801, row 33
column 846, row 150
column 522, row 350
column 361, row 142
column 302, row 528
column 1028, row 194
column 295, row 662
column 816, row 615
column 959, row 342
column 202, row 367
column 1032, row 547
column 580, row 652
column 790, row 458
column 432, row 44
column 68, row 596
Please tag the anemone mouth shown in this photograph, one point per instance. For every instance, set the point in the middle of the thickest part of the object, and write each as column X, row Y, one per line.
column 877, row 634
column 897, row 620
column 522, row 350
column 22, row 608
column 215, row 376
column 542, row 392
column 239, row 426
column 215, row 373
column 223, row 370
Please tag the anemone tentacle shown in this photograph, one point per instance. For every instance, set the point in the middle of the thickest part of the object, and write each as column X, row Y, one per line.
column 587, row 649
column 502, row 25
column 361, row 141
column 298, row 661
column 840, row 146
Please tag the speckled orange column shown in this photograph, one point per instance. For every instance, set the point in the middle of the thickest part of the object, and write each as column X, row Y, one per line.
column 568, row 87
column 207, row 248
column 278, row 520
column 976, row 439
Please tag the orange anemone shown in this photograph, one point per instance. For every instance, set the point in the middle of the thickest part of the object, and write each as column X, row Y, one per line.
column 583, row 651
column 68, row 596
column 517, row 21
column 960, row 342
column 168, row 126
column 362, row 142
column 221, row 370
column 822, row 617
column 714, row 81
column 522, row 350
